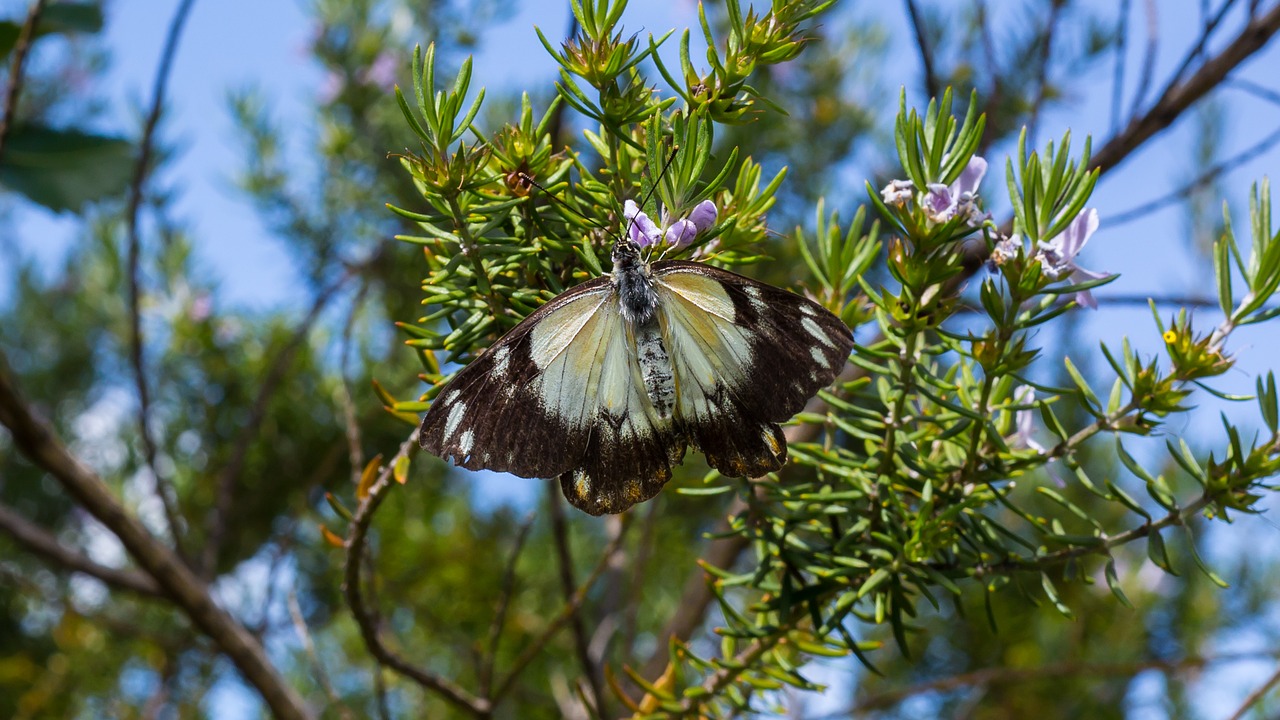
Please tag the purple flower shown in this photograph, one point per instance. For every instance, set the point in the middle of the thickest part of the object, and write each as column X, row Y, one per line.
column 644, row 232
column 897, row 192
column 944, row 202
column 1004, row 251
column 1058, row 256
column 1024, row 420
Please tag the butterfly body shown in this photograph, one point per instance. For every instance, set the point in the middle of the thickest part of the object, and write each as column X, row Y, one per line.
column 607, row 384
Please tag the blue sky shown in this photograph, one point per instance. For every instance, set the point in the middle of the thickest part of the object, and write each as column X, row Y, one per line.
column 231, row 43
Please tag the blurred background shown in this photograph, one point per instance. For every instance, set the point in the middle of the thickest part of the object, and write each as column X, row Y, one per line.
column 267, row 280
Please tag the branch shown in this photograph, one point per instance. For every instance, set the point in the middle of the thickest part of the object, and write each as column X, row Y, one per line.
column 926, row 53
column 1042, row 79
column 1256, row 695
column 504, row 601
column 20, row 49
column 560, row 531
column 1179, row 96
column 533, row 649
column 42, row 542
column 38, row 443
column 230, row 474
column 367, row 618
column 163, row 490
column 1198, row 182
column 1149, row 58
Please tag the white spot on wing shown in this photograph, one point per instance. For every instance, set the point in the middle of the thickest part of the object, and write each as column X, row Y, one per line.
column 756, row 297
column 816, row 330
column 819, row 358
column 500, row 361
column 466, row 441
column 455, row 417
column 807, row 309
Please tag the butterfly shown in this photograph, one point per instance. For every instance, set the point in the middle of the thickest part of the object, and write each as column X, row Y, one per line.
column 608, row 383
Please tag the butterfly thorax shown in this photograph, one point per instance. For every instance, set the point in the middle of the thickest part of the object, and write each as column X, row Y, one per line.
column 634, row 281
column 638, row 303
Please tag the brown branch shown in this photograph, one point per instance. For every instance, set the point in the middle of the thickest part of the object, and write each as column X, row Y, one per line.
column 163, row 489
column 504, row 601
column 1117, row 80
column 1149, row 57
column 1206, row 33
column 367, row 617
column 226, row 480
column 581, row 644
column 42, row 542
column 1179, row 96
column 1007, row 675
column 1255, row 696
column 1042, row 80
column 926, row 52
column 38, row 443
column 21, row 48
column 1200, row 181
column 317, row 666
column 570, row 609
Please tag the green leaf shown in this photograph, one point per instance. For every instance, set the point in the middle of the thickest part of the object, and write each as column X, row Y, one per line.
column 1114, row 583
column 64, row 17
column 64, row 170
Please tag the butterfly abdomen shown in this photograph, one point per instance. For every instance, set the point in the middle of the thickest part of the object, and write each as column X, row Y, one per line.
column 655, row 368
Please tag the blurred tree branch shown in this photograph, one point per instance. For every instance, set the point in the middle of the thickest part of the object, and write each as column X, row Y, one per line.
column 183, row 588
column 43, row 543
column 137, row 343
column 16, row 67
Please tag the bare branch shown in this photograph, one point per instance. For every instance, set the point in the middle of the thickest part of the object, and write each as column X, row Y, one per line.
column 355, row 451
column 42, row 542
column 504, row 601
column 1117, row 81
column 1202, row 180
column 38, row 443
column 1206, row 32
column 1256, row 695
column 926, row 52
column 367, row 618
column 230, row 474
column 1148, row 58
column 16, row 67
column 322, row 677
column 1042, row 79
column 571, row 607
column 163, row 489
column 1178, row 96
column 560, row 531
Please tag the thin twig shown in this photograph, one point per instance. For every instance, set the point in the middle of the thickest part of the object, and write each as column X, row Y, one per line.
column 1117, row 81
column 42, row 542
column 355, row 448
column 1206, row 33
column 1042, row 81
column 504, row 602
column 38, row 443
column 926, row 52
column 560, row 532
column 570, row 609
column 16, row 67
column 216, row 525
column 636, row 585
column 352, row 587
column 137, row 344
column 1200, row 181
column 317, row 666
column 1256, row 695
column 1148, row 58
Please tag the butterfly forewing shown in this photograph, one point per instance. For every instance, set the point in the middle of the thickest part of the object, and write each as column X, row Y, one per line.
column 504, row 412
column 746, row 356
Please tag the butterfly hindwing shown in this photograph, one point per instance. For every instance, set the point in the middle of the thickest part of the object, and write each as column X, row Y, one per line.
column 746, row 356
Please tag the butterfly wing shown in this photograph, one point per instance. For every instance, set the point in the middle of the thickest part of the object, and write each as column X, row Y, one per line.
column 745, row 356
column 560, row 394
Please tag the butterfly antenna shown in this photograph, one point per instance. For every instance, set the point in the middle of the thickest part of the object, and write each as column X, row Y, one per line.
column 525, row 177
